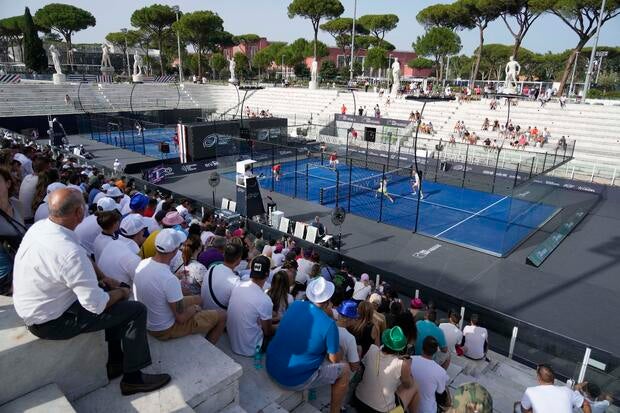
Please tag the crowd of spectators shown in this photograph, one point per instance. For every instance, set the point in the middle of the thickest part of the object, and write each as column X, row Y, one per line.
column 83, row 252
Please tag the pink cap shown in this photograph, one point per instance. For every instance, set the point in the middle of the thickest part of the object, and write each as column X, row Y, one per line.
column 417, row 304
column 364, row 277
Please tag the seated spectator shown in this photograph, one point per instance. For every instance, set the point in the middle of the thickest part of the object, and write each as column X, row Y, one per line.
column 12, row 228
column 305, row 337
column 88, row 230
column 279, row 292
column 377, row 317
column 387, row 380
column 417, row 309
column 319, row 226
column 277, row 258
column 170, row 315
column 192, row 271
column 119, row 259
column 347, row 314
column 451, row 331
column 42, row 211
column 592, row 393
column 427, row 327
column 475, row 339
column 396, row 308
column 471, row 397
column 485, row 124
column 304, row 266
column 366, row 332
column 547, row 397
column 214, row 252
column 57, row 295
column 221, row 279
column 432, row 380
column 109, row 222
column 250, row 311
column 495, row 126
column 362, row 288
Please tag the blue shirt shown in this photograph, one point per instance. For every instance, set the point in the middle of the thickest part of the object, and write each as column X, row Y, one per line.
column 304, row 337
column 92, row 194
column 428, row 328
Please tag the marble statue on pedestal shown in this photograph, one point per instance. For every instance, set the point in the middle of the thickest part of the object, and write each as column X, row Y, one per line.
column 513, row 68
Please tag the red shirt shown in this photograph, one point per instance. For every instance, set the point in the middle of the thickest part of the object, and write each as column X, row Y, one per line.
column 332, row 157
column 276, row 168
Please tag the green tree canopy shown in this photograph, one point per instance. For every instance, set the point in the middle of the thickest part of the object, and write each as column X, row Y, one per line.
column 582, row 17
column 155, row 21
column 328, row 70
column 35, row 57
column 340, row 29
column 376, row 58
column 421, row 63
column 367, row 41
column 437, row 15
column 524, row 15
column 11, row 31
column 204, row 30
column 66, row 20
column 242, row 65
column 438, row 42
column 315, row 10
column 379, row 24
column 218, row 63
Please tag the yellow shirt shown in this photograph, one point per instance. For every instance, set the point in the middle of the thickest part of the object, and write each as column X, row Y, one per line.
column 148, row 247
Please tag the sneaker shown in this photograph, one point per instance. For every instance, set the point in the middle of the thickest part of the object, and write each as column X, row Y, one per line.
column 149, row 383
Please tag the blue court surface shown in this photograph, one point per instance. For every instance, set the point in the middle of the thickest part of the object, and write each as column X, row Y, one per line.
column 131, row 140
column 491, row 223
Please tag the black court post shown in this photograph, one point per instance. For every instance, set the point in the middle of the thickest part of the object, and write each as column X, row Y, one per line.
column 555, row 154
column 531, row 168
column 367, row 143
column 350, row 179
column 346, row 151
column 495, row 171
column 296, row 172
column 544, row 163
column 465, row 166
column 273, row 164
column 514, row 185
column 307, row 178
column 337, row 187
column 389, row 151
column 398, row 157
column 382, row 195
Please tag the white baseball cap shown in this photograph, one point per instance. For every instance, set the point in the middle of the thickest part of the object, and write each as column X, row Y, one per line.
column 132, row 224
column 106, row 204
column 105, row 187
column 114, row 192
column 168, row 240
column 320, row 290
column 53, row 187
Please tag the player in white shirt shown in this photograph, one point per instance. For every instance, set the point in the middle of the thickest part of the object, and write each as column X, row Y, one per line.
column 547, row 397
column 416, row 184
column 383, row 190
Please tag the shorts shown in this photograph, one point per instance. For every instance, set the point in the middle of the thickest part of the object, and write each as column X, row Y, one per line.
column 201, row 323
column 328, row 373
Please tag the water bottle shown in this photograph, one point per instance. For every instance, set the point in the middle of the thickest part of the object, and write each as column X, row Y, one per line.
column 312, row 394
column 258, row 357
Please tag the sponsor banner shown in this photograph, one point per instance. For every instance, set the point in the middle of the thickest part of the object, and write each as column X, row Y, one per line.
column 399, row 123
column 159, row 173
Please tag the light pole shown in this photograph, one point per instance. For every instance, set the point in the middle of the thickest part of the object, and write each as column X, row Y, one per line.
column 124, row 31
column 586, row 86
column 176, row 11
column 353, row 40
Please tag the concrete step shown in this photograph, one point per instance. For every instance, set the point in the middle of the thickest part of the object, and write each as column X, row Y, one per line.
column 203, row 380
column 233, row 408
column 47, row 399
column 257, row 390
column 77, row 366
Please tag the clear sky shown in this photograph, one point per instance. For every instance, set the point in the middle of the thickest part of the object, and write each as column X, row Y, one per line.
column 268, row 18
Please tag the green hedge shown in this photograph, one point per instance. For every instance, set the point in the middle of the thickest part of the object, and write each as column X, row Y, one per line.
column 601, row 94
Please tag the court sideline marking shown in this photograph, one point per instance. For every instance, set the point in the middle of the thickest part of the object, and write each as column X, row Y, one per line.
column 471, row 216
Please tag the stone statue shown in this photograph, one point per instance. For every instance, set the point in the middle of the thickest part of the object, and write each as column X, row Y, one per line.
column 513, row 68
column 395, row 77
column 105, row 56
column 314, row 69
column 231, row 68
column 55, row 59
column 137, row 64
column 396, row 70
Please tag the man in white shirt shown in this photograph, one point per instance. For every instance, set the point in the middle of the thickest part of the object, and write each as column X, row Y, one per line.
column 432, row 379
column 476, row 339
column 451, row 331
column 57, row 295
column 184, row 208
column 119, row 258
column 304, row 267
column 221, row 279
column 170, row 314
column 362, row 288
column 546, row 397
column 29, row 186
column 250, row 311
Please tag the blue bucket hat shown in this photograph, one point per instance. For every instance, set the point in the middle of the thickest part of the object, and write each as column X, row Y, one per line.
column 348, row 308
column 138, row 202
